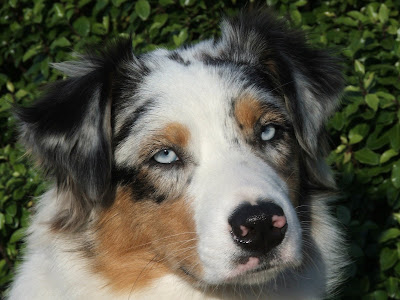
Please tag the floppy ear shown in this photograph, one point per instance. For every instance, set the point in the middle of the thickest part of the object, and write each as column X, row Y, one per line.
column 309, row 79
column 69, row 131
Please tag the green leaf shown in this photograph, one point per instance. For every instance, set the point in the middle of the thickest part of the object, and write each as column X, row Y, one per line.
column 82, row 26
column 181, row 38
column 394, row 135
column 100, row 4
column 295, row 15
column 389, row 234
column 392, row 287
column 98, row 28
column 359, row 67
column 372, row 13
column 166, row 2
column 377, row 140
column 31, row 52
column 13, row 3
column 377, row 295
column 367, row 156
column 387, row 258
column 160, row 20
column 118, row 3
column 337, row 121
column 82, row 3
column 38, row 7
column 387, row 155
column 300, row 2
column 20, row 94
column 2, row 220
column 383, row 13
column 395, row 178
column 60, row 42
column 17, row 235
column 10, row 86
column 369, row 80
column 59, row 10
column 11, row 209
column 372, row 101
column 142, row 8
column 357, row 133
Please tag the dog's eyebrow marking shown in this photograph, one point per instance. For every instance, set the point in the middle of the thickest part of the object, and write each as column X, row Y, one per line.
column 177, row 134
column 248, row 111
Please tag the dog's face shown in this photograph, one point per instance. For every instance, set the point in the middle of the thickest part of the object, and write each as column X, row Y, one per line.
column 223, row 147
column 193, row 161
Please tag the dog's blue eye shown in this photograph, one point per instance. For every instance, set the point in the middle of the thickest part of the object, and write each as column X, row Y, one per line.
column 165, row 156
column 268, row 132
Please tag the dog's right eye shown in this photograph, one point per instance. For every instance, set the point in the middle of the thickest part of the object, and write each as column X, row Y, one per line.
column 166, row 156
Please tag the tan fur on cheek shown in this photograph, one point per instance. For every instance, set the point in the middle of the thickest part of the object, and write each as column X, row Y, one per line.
column 141, row 241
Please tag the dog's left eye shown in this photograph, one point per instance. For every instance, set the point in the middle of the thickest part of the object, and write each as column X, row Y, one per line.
column 166, row 156
column 268, row 132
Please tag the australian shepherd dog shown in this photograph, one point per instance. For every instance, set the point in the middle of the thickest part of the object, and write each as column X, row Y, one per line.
column 196, row 173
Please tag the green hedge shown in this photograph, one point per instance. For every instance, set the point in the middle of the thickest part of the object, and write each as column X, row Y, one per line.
column 365, row 133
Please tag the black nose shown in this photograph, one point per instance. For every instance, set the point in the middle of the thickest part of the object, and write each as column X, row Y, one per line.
column 258, row 227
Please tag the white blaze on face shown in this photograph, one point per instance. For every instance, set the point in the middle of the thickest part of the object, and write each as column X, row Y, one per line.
column 224, row 174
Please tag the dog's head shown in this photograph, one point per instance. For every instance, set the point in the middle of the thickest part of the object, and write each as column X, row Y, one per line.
column 195, row 159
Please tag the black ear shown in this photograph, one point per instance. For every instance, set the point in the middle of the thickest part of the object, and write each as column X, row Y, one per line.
column 309, row 79
column 69, row 130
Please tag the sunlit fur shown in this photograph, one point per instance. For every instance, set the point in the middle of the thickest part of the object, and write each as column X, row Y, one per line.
column 117, row 224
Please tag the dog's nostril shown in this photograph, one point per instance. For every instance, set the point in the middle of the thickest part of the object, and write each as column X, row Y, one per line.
column 258, row 227
column 244, row 230
column 278, row 221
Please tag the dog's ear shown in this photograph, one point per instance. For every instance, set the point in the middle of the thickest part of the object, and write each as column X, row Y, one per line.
column 310, row 80
column 69, row 130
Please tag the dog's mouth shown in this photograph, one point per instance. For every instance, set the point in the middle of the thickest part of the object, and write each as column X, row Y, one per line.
column 251, row 266
column 246, row 266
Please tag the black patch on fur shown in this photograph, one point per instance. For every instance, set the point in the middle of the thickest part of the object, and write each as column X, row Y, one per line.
column 141, row 186
column 175, row 56
column 130, row 122
column 69, row 131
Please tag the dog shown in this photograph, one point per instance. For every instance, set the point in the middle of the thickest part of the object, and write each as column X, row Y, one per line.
column 195, row 173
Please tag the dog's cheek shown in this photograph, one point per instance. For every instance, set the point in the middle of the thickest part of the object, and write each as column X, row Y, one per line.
column 174, row 238
column 123, row 234
column 140, row 241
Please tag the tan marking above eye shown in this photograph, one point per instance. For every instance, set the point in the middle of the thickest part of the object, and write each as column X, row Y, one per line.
column 173, row 134
column 248, row 111
column 176, row 134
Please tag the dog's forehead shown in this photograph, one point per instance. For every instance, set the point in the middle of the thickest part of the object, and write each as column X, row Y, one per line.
column 183, row 87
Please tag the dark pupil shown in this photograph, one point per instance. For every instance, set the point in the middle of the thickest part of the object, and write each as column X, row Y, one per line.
column 166, row 152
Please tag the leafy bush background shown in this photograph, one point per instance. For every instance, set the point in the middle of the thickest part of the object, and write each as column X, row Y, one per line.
column 365, row 132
